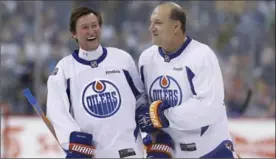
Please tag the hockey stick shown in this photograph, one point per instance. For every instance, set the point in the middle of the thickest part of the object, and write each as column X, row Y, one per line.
column 246, row 101
column 32, row 100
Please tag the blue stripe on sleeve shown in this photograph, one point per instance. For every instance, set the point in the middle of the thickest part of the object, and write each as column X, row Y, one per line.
column 191, row 75
column 142, row 73
column 203, row 129
column 131, row 84
column 68, row 94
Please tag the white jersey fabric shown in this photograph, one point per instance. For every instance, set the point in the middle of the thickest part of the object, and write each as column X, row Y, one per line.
column 190, row 81
column 97, row 97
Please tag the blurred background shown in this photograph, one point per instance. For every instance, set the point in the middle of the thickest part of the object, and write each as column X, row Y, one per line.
column 35, row 35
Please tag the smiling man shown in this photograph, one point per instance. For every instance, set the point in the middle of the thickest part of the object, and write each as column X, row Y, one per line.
column 184, row 84
column 86, row 29
column 93, row 94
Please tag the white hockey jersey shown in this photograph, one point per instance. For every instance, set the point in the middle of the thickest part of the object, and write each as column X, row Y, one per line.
column 97, row 97
column 190, row 80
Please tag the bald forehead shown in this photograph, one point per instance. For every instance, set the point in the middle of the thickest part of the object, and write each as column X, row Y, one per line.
column 165, row 8
column 169, row 5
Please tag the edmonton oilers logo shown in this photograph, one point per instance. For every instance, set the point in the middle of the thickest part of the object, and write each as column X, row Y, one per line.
column 101, row 99
column 167, row 89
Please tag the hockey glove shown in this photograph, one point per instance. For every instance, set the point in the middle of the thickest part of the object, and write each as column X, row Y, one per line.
column 80, row 145
column 159, row 145
column 151, row 118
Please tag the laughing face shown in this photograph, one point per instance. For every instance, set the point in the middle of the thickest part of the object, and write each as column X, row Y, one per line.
column 88, row 32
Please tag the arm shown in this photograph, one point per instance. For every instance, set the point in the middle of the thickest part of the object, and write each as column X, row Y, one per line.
column 75, row 143
column 135, row 75
column 136, row 83
column 207, row 102
column 142, row 102
column 58, row 107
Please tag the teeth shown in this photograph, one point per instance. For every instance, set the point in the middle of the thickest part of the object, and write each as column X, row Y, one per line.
column 91, row 38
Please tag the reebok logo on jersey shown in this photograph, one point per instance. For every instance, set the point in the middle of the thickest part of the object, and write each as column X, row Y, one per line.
column 177, row 68
column 113, row 71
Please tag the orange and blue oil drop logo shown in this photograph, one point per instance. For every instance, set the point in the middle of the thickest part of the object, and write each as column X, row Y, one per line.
column 167, row 89
column 101, row 98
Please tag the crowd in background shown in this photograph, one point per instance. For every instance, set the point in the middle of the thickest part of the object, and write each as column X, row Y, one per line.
column 242, row 34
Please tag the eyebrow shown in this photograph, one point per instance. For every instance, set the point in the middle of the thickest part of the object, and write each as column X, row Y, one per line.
column 88, row 24
column 155, row 19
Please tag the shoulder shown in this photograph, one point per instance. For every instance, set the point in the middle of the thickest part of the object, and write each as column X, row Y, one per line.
column 121, row 57
column 204, row 49
column 201, row 56
column 61, row 67
column 200, row 52
column 64, row 62
column 118, row 53
column 147, row 54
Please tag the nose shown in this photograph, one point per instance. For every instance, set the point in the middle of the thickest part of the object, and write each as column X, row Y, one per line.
column 151, row 28
column 91, row 30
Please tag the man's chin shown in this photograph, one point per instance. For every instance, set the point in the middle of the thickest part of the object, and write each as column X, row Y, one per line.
column 155, row 42
column 93, row 46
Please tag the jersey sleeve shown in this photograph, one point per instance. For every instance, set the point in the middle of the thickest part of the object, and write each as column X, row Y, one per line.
column 58, row 107
column 141, row 63
column 137, row 86
column 206, row 104
column 135, row 75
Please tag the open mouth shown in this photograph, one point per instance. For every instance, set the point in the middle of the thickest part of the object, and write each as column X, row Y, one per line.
column 91, row 38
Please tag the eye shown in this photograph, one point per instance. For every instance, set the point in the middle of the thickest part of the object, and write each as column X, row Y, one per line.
column 85, row 27
column 156, row 23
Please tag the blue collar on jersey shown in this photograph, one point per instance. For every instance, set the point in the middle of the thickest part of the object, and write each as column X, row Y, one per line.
column 93, row 63
column 168, row 57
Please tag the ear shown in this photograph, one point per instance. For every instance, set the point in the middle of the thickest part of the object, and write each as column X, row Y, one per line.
column 74, row 35
column 177, row 26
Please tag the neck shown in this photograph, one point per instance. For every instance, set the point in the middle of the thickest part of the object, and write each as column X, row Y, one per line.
column 175, row 44
column 90, row 55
